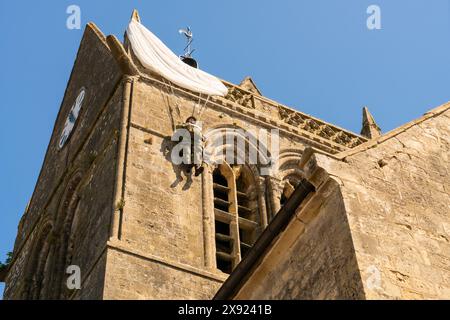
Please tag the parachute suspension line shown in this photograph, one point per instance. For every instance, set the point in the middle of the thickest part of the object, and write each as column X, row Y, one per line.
column 203, row 107
column 168, row 101
column 200, row 111
column 177, row 106
column 169, row 108
column 197, row 104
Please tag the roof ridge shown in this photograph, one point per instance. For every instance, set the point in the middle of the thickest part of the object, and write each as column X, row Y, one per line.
column 391, row 134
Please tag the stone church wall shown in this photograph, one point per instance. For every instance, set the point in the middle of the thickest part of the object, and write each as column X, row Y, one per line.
column 395, row 210
column 398, row 202
column 86, row 163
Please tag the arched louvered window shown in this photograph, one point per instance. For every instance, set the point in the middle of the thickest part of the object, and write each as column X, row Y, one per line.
column 248, row 211
column 237, row 216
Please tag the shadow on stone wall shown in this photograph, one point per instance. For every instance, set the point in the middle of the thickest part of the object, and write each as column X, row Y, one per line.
column 167, row 146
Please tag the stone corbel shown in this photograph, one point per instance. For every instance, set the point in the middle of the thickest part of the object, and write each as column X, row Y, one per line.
column 315, row 167
column 318, row 171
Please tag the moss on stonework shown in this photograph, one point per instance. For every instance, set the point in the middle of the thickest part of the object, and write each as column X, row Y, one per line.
column 120, row 204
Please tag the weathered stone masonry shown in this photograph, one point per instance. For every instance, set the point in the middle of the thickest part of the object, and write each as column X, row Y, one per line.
column 380, row 232
column 139, row 227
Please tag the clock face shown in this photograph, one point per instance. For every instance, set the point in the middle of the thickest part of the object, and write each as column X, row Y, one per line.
column 72, row 118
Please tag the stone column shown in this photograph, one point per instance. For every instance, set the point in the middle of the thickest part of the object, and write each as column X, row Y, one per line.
column 233, row 210
column 208, row 219
column 119, row 189
column 275, row 196
column 262, row 194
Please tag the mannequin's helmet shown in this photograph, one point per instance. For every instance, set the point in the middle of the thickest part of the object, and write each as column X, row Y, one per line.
column 192, row 120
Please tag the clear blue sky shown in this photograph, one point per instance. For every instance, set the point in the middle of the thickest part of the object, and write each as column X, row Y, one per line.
column 315, row 55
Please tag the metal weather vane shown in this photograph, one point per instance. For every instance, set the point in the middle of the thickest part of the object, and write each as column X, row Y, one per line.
column 188, row 51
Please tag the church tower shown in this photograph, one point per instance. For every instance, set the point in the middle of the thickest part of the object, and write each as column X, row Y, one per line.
column 110, row 201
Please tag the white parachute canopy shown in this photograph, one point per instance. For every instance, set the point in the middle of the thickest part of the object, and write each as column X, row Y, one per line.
column 155, row 56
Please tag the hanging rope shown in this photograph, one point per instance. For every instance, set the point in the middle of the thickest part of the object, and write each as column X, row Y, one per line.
column 198, row 103
column 203, row 107
column 172, row 92
column 176, row 103
column 169, row 108
column 169, row 104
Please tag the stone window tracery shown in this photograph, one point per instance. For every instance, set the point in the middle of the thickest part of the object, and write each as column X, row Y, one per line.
column 237, row 216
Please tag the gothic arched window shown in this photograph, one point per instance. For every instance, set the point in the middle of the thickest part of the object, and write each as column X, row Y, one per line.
column 236, row 212
column 248, row 211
